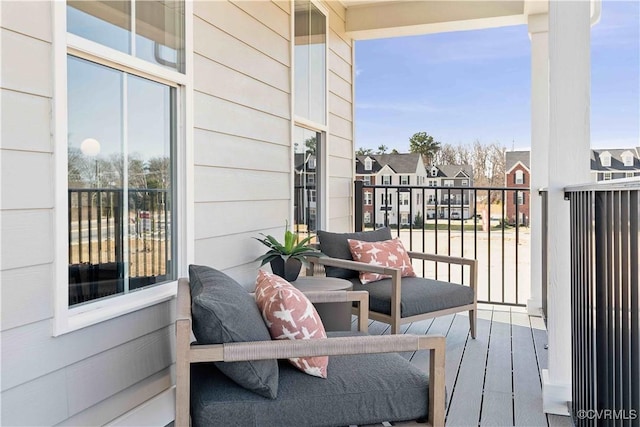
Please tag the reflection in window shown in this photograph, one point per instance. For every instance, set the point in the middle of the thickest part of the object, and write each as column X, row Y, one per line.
column 159, row 28
column 307, row 147
column 310, row 62
column 120, row 178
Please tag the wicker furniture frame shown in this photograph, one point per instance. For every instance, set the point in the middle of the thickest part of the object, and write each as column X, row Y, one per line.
column 395, row 319
column 187, row 353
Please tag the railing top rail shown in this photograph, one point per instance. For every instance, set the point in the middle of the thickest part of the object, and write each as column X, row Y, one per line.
column 444, row 187
column 622, row 184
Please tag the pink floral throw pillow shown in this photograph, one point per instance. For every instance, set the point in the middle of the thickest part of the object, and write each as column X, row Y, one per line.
column 388, row 253
column 290, row 315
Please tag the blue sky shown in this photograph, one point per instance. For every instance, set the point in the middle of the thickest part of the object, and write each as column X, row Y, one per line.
column 463, row 86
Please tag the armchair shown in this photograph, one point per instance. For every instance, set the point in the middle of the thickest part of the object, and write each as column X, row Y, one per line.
column 399, row 300
column 366, row 387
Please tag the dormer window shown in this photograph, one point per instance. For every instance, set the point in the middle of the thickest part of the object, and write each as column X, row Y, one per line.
column 434, row 171
column 368, row 164
column 627, row 158
column 605, row 159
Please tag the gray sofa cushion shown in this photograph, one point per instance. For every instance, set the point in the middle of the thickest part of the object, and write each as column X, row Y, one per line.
column 223, row 311
column 360, row 389
column 335, row 245
column 419, row 295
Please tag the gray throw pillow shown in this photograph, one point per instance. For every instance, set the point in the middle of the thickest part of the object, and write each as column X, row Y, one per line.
column 335, row 245
column 223, row 311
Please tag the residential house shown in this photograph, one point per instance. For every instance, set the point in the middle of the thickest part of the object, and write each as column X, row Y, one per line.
column 305, row 197
column 141, row 137
column 615, row 163
column 518, row 175
column 394, row 205
column 605, row 165
column 456, row 202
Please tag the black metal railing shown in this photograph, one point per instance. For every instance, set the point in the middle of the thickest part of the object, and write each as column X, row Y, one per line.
column 605, row 303
column 112, row 251
column 489, row 224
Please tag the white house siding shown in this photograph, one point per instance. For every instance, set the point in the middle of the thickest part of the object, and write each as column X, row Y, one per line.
column 340, row 136
column 84, row 375
column 242, row 135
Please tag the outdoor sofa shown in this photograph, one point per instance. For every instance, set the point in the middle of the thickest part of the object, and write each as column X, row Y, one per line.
column 367, row 381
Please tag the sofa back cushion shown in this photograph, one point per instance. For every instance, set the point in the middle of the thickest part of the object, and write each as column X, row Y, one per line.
column 336, row 245
column 223, row 311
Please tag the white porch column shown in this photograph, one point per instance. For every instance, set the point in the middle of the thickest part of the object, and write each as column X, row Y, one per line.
column 538, row 26
column 568, row 163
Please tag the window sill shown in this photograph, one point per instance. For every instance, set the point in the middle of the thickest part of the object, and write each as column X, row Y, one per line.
column 77, row 318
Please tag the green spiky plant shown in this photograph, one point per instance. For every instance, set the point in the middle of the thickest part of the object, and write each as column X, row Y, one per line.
column 291, row 248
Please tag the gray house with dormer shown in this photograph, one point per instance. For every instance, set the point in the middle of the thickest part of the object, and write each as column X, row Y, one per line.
column 615, row 163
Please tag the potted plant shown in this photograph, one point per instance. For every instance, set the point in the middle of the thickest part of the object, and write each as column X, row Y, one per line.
column 286, row 258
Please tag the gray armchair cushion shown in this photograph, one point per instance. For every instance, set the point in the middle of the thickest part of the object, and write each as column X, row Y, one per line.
column 335, row 245
column 419, row 295
column 223, row 311
column 360, row 389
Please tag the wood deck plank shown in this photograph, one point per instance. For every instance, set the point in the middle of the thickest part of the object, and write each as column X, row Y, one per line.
column 497, row 404
column 526, row 378
column 464, row 406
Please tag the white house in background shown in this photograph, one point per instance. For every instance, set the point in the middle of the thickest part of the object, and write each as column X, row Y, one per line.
column 397, row 205
column 615, row 163
column 140, row 137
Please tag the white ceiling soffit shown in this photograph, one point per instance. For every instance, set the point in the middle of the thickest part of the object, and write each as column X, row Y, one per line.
column 369, row 20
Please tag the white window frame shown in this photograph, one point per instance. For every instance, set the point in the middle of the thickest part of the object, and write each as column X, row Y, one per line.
column 68, row 319
column 368, row 198
column 404, row 179
column 368, row 164
column 607, row 176
column 448, row 182
column 629, row 174
column 386, row 178
column 404, row 199
column 519, row 177
column 367, row 179
column 628, row 159
column 605, row 159
column 367, row 217
column 322, row 181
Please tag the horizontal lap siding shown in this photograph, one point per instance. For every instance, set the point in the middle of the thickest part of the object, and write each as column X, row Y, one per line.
column 242, row 136
column 92, row 375
column 340, row 138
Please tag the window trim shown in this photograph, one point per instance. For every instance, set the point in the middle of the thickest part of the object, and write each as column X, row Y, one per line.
column 68, row 319
column 322, row 178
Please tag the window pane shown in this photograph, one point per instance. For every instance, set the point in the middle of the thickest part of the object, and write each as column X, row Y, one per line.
column 160, row 33
column 159, row 28
column 104, row 22
column 120, row 182
column 307, row 149
column 149, row 137
column 310, row 62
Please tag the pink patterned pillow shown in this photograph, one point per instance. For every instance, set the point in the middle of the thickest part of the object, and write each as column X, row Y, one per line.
column 289, row 314
column 388, row 253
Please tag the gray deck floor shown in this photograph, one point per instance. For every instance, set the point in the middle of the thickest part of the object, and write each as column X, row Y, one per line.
column 495, row 379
